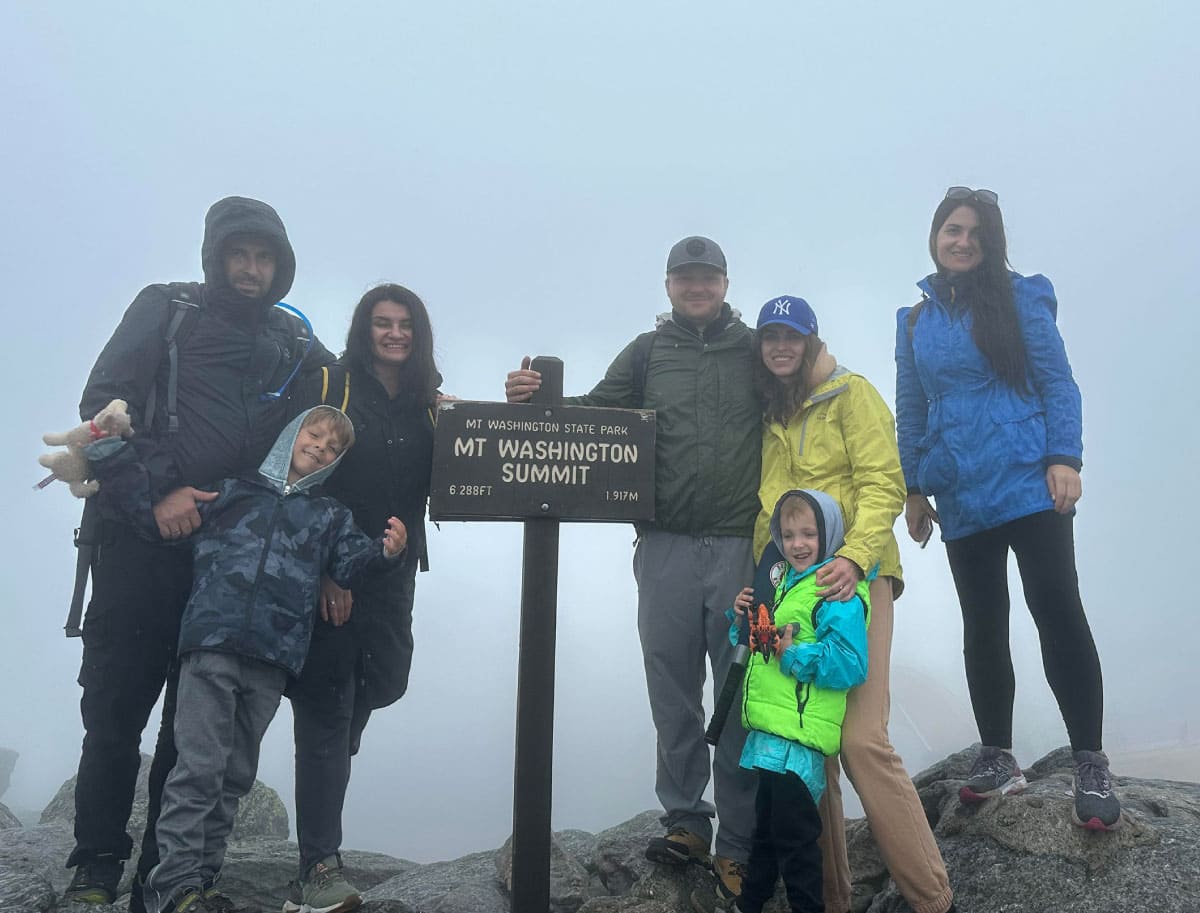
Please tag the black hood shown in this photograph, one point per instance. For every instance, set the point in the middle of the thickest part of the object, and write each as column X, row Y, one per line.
column 242, row 216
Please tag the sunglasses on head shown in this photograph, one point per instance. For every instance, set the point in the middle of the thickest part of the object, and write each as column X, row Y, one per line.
column 987, row 197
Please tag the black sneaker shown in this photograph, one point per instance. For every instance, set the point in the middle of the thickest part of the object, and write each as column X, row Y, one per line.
column 96, row 880
column 994, row 773
column 1096, row 808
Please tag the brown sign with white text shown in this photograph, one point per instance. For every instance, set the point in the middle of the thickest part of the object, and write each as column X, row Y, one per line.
column 517, row 461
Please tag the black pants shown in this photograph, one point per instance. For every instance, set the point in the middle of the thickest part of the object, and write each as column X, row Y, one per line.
column 1044, row 545
column 787, row 825
column 130, row 634
column 329, row 715
column 350, row 670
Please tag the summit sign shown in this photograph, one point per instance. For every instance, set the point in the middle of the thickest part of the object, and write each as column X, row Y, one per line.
column 516, row 461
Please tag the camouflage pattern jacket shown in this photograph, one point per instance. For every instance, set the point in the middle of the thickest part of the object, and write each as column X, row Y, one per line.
column 259, row 553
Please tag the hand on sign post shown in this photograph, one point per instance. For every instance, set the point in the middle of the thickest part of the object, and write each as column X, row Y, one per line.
column 521, row 384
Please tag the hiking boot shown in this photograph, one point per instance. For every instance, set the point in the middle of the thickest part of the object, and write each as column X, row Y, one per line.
column 1096, row 808
column 295, row 899
column 729, row 873
column 95, row 881
column 722, row 897
column 705, row 900
column 994, row 773
column 679, row 847
column 220, row 902
column 326, row 890
column 189, row 900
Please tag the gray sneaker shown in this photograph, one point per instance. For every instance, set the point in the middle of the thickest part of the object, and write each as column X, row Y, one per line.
column 326, row 890
column 1096, row 808
column 994, row 773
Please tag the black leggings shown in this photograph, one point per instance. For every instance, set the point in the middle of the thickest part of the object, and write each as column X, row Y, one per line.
column 786, row 827
column 1044, row 544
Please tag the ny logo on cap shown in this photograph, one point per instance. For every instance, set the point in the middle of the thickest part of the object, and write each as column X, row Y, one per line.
column 783, row 306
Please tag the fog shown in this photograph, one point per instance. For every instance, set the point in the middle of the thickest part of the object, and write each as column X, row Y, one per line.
column 526, row 170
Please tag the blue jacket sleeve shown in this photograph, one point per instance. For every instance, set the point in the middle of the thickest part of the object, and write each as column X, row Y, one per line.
column 1050, row 371
column 838, row 660
column 912, row 406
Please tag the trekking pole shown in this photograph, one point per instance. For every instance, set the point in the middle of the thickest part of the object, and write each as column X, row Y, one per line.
column 733, row 684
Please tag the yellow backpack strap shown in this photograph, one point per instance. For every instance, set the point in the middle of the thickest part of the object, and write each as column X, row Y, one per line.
column 346, row 393
column 324, row 381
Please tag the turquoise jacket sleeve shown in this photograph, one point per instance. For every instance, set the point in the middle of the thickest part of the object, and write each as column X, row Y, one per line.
column 838, row 660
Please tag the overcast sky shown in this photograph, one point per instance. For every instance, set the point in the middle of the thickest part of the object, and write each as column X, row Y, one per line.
column 526, row 170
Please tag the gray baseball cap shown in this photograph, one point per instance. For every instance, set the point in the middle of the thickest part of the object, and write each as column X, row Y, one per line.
column 696, row 250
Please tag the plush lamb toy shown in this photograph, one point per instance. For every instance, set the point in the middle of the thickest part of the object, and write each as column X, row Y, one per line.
column 71, row 465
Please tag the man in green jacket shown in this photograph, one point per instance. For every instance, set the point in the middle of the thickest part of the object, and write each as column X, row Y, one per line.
column 694, row 370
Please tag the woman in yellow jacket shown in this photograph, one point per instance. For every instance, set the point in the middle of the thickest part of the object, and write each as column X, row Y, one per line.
column 825, row 427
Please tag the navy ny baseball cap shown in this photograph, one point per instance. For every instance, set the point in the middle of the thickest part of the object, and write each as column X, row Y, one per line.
column 789, row 311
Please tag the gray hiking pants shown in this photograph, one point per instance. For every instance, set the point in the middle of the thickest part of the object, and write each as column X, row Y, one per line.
column 685, row 584
column 224, row 707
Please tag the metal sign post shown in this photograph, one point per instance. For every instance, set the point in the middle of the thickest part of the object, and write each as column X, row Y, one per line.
column 540, row 462
column 532, row 780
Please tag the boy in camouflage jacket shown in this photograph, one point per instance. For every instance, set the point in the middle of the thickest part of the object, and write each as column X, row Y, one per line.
column 258, row 558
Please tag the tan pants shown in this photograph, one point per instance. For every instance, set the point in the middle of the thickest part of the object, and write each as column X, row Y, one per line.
column 894, row 811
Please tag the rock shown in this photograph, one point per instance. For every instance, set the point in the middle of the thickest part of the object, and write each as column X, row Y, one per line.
column 8, row 819
column 8, row 761
column 472, row 879
column 257, row 870
column 261, row 813
column 37, row 851
column 1020, row 854
column 25, row 893
column 570, row 882
column 621, row 852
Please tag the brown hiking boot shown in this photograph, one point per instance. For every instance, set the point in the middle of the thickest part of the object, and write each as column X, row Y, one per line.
column 729, row 874
column 679, row 847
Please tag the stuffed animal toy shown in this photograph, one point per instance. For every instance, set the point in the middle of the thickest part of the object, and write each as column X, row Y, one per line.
column 71, row 465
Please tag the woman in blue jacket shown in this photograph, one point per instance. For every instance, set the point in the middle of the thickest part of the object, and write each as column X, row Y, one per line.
column 989, row 423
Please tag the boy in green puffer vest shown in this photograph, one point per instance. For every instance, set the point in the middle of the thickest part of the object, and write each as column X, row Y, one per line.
column 794, row 700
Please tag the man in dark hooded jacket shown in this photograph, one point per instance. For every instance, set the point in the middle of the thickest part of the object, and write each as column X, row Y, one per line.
column 201, row 367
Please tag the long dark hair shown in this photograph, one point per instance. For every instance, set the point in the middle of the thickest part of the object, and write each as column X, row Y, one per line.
column 781, row 399
column 995, row 328
column 419, row 374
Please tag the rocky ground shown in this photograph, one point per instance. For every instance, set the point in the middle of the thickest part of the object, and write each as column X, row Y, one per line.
column 1016, row 855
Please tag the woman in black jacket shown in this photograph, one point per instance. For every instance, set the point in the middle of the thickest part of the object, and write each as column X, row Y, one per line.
column 361, row 651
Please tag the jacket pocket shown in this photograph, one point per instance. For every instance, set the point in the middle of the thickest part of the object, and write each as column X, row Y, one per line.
column 937, row 471
column 1021, row 431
